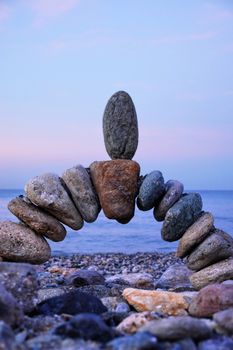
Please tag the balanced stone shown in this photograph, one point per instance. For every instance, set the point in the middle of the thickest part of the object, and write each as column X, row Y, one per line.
column 173, row 192
column 82, row 191
column 217, row 272
column 151, row 190
column 195, row 234
column 116, row 183
column 216, row 247
column 37, row 219
column 19, row 243
column 120, row 126
column 48, row 192
column 180, row 216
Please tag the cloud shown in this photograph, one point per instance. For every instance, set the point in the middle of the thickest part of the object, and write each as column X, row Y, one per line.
column 216, row 13
column 174, row 39
column 5, row 12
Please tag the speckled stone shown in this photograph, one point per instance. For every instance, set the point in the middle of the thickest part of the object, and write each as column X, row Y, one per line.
column 20, row 244
column 195, row 234
column 37, row 219
column 180, row 216
column 151, row 190
column 120, row 126
column 218, row 246
column 82, row 191
column 47, row 191
column 173, row 192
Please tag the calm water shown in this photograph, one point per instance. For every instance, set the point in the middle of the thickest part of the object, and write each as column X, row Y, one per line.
column 141, row 234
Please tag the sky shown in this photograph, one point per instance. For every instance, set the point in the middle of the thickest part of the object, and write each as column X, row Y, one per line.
column 61, row 60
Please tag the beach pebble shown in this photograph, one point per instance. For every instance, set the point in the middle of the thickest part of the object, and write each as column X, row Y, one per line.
column 143, row 280
column 168, row 303
column 216, row 273
column 10, row 310
column 122, row 308
column 72, row 303
column 82, row 191
column 138, row 341
column 182, row 344
column 174, row 328
column 120, row 126
column 20, row 244
column 21, row 280
column 175, row 278
column 151, row 190
column 216, row 247
column 47, row 293
column 180, row 216
column 195, row 234
column 48, row 192
column 173, row 192
column 211, row 299
column 116, row 183
column 224, row 320
column 37, row 219
column 84, row 277
column 7, row 337
column 216, row 343
column 135, row 321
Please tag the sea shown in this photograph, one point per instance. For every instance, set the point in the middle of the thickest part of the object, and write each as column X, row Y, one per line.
column 141, row 234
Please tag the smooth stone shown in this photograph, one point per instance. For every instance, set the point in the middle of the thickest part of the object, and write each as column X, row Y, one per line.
column 37, row 219
column 182, row 344
column 47, row 191
column 195, row 234
column 110, row 302
column 82, row 191
column 10, row 311
column 138, row 341
column 21, row 281
column 7, row 337
column 143, row 280
column 175, row 278
column 116, row 183
column 20, row 244
column 86, row 326
column 173, row 192
column 215, row 273
column 122, row 308
column 216, row 247
column 180, row 216
column 84, row 277
column 229, row 282
column 135, row 321
column 216, row 343
column 168, row 303
column 211, row 299
column 151, row 190
column 224, row 320
column 72, row 303
column 174, row 328
column 120, row 126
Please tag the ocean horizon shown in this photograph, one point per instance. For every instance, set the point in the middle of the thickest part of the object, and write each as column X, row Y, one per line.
column 141, row 234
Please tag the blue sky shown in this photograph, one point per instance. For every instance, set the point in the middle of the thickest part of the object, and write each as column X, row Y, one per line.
column 62, row 60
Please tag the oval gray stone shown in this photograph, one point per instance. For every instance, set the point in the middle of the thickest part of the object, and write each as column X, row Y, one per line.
column 217, row 246
column 173, row 192
column 120, row 126
column 20, row 244
column 151, row 190
column 47, row 191
column 82, row 191
column 180, row 216
column 37, row 219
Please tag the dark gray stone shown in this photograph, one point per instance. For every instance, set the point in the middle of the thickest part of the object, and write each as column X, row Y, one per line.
column 151, row 190
column 180, row 216
column 217, row 246
column 180, row 327
column 86, row 326
column 10, row 310
column 82, row 191
column 216, row 343
column 173, row 192
column 21, row 281
column 7, row 338
column 224, row 320
column 71, row 303
column 85, row 278
column 184, row 344
column 175, row 278
column 138, row 341
column 120, row 126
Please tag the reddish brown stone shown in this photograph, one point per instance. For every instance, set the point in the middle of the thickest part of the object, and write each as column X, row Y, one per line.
column 211, row 299
column 116, row 183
